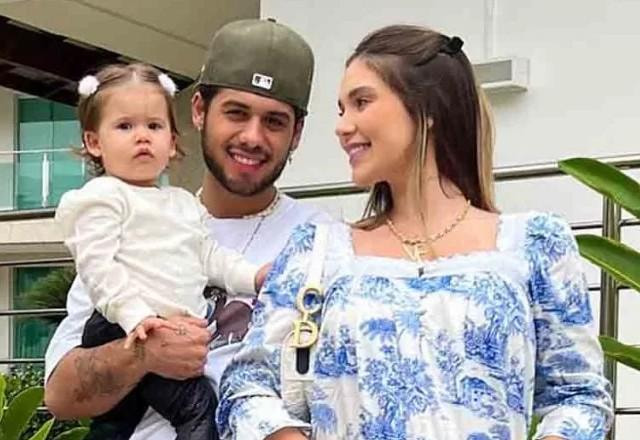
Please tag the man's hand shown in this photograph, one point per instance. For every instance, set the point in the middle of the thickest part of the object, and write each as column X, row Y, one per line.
column 90, row 381
column 261, row 275
column 179, row 352
column 146, row 326
column 287, row 434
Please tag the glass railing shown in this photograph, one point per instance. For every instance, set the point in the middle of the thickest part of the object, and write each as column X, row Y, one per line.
column 36, row 179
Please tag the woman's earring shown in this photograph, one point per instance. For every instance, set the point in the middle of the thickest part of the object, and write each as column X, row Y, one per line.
column 290, row 158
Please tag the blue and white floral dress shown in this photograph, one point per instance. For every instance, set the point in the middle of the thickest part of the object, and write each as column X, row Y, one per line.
column 467, row 348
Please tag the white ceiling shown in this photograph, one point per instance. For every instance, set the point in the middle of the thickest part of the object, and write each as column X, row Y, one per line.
column 172, row 34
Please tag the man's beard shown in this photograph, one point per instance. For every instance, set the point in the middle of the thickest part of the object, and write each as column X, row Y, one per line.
column 239, row 187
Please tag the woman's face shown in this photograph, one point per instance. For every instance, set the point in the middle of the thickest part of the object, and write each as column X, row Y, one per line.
column 374, row 127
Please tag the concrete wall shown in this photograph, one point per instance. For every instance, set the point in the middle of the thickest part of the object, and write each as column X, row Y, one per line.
column 582, row 100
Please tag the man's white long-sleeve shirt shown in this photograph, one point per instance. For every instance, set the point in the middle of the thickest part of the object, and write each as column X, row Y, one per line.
column 145, row 251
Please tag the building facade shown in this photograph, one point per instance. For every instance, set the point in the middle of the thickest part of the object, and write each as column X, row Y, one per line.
column 581, row 99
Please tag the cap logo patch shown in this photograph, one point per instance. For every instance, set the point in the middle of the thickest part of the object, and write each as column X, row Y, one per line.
column 262, row 81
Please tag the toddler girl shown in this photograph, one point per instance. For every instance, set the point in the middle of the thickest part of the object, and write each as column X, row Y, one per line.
column 143, row 251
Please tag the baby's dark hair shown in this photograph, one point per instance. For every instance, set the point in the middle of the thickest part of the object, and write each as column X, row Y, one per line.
column 90, row 106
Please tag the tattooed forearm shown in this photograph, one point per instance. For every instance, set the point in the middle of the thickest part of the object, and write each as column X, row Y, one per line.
column 139, row 351
column 95, row 378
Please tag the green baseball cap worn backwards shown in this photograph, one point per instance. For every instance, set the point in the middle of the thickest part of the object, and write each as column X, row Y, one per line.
column 263, row 57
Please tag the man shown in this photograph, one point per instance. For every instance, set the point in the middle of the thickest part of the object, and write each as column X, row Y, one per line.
column 249, row 108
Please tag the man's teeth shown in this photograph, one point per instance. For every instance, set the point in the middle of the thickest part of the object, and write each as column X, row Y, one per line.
column 245, row 160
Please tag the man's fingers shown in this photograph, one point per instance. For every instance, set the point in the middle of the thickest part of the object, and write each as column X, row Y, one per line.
column 190, row 320
column 142, row 334
column 131, row 337
column 167, row 324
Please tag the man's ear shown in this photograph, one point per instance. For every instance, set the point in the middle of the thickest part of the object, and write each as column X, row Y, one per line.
column 92, row 143
column 297, row 134
column 197, row 111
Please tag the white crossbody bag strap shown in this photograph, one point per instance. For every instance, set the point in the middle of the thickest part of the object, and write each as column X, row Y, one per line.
column 314, row 277
column 298, row 348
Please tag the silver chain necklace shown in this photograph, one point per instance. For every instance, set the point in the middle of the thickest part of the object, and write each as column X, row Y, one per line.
column 266, row 212
column 263, row 214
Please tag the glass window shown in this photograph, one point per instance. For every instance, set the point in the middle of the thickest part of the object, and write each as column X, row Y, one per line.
column 32, row 334
column 46, row 167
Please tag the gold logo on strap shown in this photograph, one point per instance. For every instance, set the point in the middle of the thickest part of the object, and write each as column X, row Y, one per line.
column 305, row 331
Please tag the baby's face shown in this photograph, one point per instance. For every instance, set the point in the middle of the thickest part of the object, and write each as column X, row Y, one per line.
column 134, row 137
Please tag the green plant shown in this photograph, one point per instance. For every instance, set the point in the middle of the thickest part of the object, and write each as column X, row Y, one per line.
column 620, row 261
column 535, row 420
column 16, row 414
column 22, row 418
column 50, row 292
column 23, row 376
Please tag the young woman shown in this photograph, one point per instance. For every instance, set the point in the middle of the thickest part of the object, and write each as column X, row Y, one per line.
column 441, row 318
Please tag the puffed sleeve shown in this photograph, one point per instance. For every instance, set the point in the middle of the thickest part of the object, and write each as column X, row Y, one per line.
column 251, row 406
column 571, row 394
column 91, row 219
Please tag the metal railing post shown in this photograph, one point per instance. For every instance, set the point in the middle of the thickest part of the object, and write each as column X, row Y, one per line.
column 609, row 299
column 45, row 180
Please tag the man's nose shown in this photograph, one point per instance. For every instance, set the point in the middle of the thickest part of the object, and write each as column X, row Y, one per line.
column 252, row 133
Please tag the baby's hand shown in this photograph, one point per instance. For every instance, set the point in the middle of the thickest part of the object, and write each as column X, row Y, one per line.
column 145, row 326
column 261, row 275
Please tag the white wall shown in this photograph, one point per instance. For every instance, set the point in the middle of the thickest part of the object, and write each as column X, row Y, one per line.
column 7, row 132
column 584, row 99
column 585, row 75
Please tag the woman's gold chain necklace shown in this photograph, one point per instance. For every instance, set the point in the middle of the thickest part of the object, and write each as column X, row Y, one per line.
column 419, row 248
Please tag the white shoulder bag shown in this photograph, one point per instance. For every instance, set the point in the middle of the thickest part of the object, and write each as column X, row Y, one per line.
column 298, row 353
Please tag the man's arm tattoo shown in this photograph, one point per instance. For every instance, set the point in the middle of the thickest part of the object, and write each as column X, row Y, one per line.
column 139, row 350
column 94, row 379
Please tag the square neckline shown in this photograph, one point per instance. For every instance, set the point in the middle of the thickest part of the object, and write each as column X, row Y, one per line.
column 503, row 242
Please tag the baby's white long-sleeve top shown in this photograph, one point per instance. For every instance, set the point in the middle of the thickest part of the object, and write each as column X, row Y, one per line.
column 144, row 251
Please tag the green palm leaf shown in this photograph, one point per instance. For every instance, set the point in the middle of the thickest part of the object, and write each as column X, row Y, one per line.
column 535, row 421
column 606, row 180
column 3, row 399
column 43, row 432
column 20, row 411
column 621, row 261
column 623, row 353
column 50, row 292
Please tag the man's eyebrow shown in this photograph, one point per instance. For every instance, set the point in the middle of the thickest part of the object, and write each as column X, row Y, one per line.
column 242, row 105
column 278, row 114
column 232, row 103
